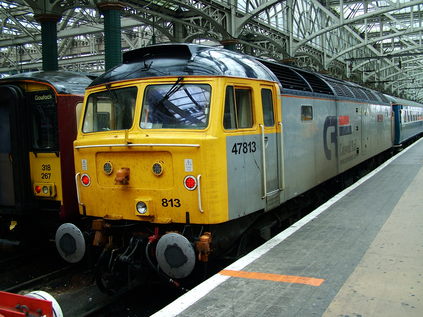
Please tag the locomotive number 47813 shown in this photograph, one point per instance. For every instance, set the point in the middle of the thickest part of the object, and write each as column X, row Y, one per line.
column 244, row 147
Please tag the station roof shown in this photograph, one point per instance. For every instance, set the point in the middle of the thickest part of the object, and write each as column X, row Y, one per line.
column 377, row 44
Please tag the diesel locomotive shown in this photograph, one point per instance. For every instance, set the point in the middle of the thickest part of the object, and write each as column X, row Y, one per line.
column 38, row 113
column 183, row 147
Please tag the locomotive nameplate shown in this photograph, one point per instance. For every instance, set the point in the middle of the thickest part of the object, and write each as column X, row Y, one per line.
column 41, row 97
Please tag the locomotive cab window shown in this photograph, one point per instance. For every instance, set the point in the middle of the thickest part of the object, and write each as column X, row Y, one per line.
column 110, row 110
column 238, row 108
column 180, row 106
column 267, row 102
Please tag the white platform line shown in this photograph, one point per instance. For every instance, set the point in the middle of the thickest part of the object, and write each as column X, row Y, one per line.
column 191, row 297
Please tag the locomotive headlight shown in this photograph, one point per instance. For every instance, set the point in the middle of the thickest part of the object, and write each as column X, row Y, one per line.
column 141, row 207
column 45, row 190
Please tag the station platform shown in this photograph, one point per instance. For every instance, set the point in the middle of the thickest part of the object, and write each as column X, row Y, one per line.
column 359, row 254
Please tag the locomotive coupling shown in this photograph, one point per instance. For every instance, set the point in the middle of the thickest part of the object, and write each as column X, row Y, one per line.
column 98, row 225
column 203, row 246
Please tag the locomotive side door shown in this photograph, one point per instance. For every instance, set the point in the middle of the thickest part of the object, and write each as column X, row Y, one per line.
column 13, row 148
column 270, row 140
column 245, row 133
column 250, row 126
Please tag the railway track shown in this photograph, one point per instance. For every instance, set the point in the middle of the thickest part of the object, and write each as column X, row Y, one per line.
column 74, row 287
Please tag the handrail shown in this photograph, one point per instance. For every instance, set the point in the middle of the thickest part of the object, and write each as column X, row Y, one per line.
column 136, row 144
column 77, row 188
column 263, row 156
column 282, row 158
column 200, row 206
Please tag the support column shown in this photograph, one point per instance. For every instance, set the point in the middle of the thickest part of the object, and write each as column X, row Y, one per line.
column 290, row 26
column 49, row 40
column 179, row 29
column 179, row 32
column 112, row 33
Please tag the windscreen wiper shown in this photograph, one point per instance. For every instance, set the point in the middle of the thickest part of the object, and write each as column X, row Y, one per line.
column 171, row 91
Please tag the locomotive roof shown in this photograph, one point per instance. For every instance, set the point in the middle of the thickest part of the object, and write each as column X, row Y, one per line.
column 306, row 81
column 183, row 60
column 64, row 82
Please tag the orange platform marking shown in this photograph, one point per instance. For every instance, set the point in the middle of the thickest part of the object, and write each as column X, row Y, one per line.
column 274, row 277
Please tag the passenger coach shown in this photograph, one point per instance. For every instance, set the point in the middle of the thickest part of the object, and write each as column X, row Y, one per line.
column 408, row 116
column 38, row 112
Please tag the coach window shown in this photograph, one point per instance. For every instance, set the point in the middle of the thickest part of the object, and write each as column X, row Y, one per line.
column 238, row 108
column 306, row 113
column 267, row 102
column 44, row 126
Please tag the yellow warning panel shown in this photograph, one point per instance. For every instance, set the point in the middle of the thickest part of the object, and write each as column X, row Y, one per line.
column 46, row 175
